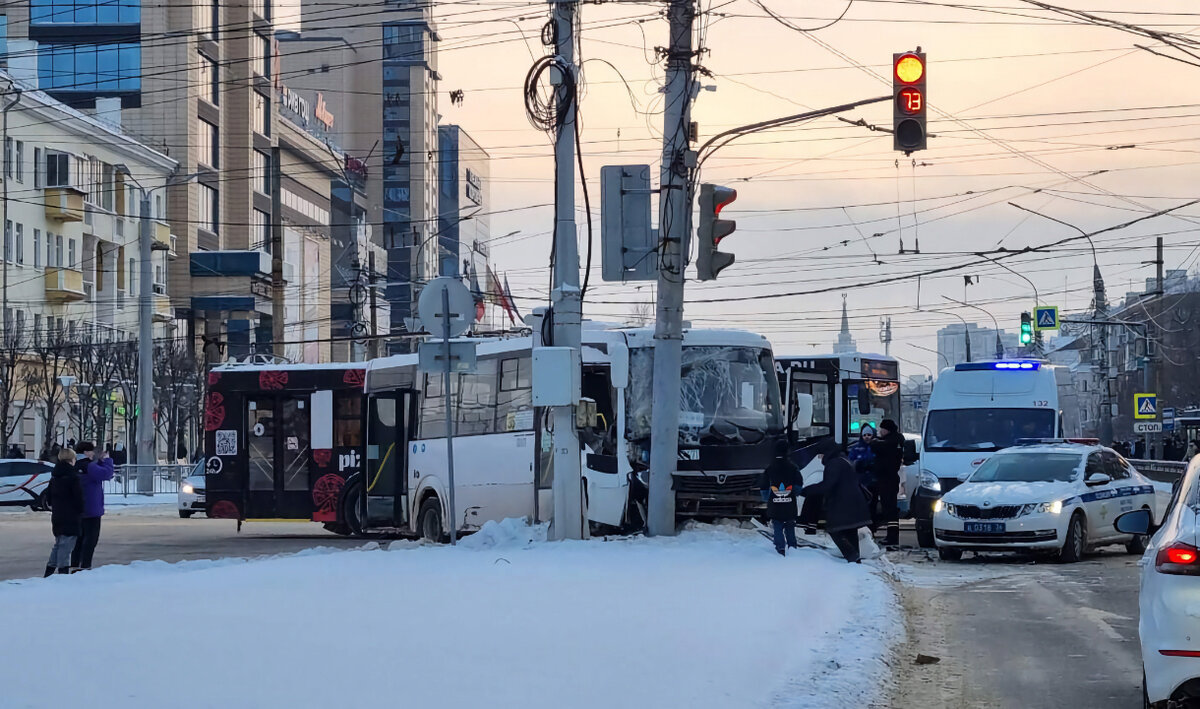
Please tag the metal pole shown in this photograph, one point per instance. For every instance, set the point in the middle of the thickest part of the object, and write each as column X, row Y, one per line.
column 145, row 417
column 373, row 345
column 1150, row 371
column 449, row 416
column 277, row 310
column 566, row 298
column 674, row 226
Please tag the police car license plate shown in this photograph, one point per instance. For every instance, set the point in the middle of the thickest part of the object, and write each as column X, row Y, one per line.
column 984, row 527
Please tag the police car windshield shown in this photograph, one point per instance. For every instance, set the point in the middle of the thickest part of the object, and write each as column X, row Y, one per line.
column 1028, row 468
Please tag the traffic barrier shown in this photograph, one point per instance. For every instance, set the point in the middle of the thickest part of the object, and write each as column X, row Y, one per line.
column 1164, row 471
column 164, row 479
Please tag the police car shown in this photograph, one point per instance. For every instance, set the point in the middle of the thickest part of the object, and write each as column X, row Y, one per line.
column 1053, row 495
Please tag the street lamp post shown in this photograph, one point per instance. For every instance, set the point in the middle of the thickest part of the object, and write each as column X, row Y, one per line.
column 966, row 330
column 1037, row 301
column 939, row 354
column 999, row 344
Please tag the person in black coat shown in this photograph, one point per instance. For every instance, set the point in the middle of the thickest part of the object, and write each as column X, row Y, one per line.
column 889, row 456
column 781, row 482
column 845, row 506
column 66, row 509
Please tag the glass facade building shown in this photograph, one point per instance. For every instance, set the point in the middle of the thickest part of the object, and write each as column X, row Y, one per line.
column 88, row 49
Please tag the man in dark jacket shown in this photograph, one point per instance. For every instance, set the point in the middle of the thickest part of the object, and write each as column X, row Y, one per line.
column 66, row 507
column 845, row 507
column 781, row 481
column 92, row 477
column 889, row 455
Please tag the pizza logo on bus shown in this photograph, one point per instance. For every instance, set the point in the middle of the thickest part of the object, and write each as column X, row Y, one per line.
column 224, row 510
column 348, row 461
column 213, row 378
column 322, row 456
column 272, row 379
column 326, row 491
column 214, row 411
column 355, row 377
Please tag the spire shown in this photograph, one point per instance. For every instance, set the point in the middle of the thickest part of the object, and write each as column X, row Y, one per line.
column 845, row 343
column 845, row 320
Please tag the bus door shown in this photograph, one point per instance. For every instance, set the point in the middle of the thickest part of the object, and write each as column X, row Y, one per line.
column 278, row 457
column 819, row 387
column 390, row 417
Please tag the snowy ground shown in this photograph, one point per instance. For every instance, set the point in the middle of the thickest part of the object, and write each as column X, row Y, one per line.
column 712, row 618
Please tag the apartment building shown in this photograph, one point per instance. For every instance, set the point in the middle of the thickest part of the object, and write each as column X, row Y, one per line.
column 72, row 266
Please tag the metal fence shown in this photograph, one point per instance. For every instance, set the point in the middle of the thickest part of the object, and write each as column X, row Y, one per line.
column 164, row 479
column 1164, row 471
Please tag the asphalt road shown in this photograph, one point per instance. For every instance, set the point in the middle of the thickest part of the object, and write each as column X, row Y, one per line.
column 156, row 533
column 1013, row 633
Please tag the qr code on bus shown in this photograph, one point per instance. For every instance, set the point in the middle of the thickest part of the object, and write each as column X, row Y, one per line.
column 226, row 442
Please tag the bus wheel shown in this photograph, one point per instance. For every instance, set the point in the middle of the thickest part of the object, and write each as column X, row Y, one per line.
column 429, row 520
column 352, row 504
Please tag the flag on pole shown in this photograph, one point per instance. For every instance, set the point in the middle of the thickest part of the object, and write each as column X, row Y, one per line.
column 510, row 305
column 495, row 293
column 476, row 293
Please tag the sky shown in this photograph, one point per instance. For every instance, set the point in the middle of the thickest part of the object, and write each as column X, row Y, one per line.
column 1026, row 106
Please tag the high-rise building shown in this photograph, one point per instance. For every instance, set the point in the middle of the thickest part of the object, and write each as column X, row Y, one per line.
column 463, row 228
column 952, row 346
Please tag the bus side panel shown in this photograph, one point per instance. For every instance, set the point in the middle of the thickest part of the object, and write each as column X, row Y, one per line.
column 493, row 475
column 224, row 444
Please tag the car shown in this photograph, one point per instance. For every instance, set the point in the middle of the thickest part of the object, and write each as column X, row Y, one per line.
column 1168, row 625
column 25, row 482
column 1044, row 495
column 191, row 492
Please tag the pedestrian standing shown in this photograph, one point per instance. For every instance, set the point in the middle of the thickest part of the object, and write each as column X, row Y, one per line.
column 1139, row 448
column 889, row 456
column 96, row 469
column 66, row 508
column 844, row 504
column 781, row 481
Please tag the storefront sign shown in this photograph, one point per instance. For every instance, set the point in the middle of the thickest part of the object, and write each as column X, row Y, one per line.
column 324, row 117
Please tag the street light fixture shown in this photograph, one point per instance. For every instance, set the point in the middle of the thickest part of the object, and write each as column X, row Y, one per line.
column 999, row 344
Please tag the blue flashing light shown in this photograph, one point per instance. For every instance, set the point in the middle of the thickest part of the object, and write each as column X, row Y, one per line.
column 1018, row 365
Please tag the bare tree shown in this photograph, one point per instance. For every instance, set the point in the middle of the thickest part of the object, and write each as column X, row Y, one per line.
column 125, row 355
column 14, row 388
column 642, row 313
column 97, row 370
column 50, row 360
column 180, row 388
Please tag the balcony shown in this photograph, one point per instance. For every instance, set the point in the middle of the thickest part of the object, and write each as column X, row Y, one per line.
column 161, row 231
column 64, row 285
column 64, row 204
column 163, row 312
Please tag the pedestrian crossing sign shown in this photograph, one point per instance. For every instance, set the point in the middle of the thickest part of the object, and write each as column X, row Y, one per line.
column 1145, row 406
column 1045, row 318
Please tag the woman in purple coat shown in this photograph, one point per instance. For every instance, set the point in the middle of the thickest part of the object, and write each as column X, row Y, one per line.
column 94, row 471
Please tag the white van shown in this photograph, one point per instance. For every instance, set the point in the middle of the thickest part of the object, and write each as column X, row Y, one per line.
column 976, row 409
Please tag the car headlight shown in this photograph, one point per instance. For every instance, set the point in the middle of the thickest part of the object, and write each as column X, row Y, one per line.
column 1043, row 508
column 938, row 506
column 188, row 489
column 930, row 481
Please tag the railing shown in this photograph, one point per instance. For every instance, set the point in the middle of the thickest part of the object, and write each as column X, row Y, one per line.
column 164, row 479
column 1164, row 471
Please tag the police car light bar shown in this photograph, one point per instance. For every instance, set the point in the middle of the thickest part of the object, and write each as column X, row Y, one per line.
column 1044, row 441
column 1025, row 365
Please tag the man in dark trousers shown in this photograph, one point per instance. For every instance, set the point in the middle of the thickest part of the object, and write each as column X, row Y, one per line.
column 94, row 469
column 781, row 482
column 844, row 503
column 889, row 455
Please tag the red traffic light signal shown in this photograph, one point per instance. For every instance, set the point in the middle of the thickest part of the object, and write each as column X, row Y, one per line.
column 908, row 111
column 711, row 229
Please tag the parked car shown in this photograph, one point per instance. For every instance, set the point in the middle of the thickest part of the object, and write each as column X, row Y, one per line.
column 24, row 482
column 1050, row 495
column 191, row 492
column 1168, row 626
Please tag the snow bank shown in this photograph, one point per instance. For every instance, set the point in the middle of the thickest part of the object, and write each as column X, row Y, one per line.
column 711, row 618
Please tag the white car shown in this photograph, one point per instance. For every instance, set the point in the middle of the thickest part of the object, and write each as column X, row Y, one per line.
column 1048, row 495
column 25, row 482
column 1169, row 625
column 191, row 492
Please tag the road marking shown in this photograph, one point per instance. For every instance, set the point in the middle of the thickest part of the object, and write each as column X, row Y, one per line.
column 1100, row 618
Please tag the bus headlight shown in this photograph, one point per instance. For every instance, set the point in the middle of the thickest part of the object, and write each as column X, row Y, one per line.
column 929, row 481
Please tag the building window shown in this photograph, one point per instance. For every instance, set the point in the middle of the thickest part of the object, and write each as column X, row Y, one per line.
column 90, row 67
column 262, row 56
column 85, row 12
column 260, row 231
column 209, row 204
column 19, row 158
column 262, row 172
column 8, row 158
column 37, row 168
column 58, row 169
column 210, row 80
column 8, row 229
column 207, row 18
column 20, row 244
column 4, row 35
column 58, row 250
column 71, row 254
column 207, row 148
column 37, row 248
column 262, row 114
column 262, row 8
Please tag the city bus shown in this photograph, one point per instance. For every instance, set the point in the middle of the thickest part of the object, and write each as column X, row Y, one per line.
column 281, row 439
column 730, row 420
column 848, row 391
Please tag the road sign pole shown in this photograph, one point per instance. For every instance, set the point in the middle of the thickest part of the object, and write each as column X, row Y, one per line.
column 446, row 315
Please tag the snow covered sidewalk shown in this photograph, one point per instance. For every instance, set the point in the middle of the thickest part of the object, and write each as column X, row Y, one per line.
column 712, row 618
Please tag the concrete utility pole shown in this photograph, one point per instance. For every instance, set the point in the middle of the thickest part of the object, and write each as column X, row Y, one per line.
column 1100, row 312
column 373, row 345
column 674, row 225
column 277, row 310
column 1150, row 371
column 145, row 416
column 566, row 299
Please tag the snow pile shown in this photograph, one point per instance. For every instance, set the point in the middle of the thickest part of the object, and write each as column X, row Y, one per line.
column 711, row 618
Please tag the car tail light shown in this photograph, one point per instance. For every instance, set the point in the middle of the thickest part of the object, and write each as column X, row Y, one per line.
column 1178, row 558
column 1179, row 653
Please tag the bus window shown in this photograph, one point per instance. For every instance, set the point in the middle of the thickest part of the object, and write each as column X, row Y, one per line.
column 475, row 405
column 295, row 431
column 882, row 397
column 347, row 420
column 514, row 401
column 433, row 406
column 822, row 423
column 260, row 425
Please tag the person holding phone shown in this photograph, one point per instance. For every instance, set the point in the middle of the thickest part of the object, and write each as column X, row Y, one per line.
column 95, row 470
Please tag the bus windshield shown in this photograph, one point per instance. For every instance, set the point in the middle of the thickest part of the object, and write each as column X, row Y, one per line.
column 985, row 429
column 727, row 393
column 883, row 399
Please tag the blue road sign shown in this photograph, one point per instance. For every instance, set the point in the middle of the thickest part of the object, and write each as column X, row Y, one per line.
column 1045, row 317
column 1145, row 406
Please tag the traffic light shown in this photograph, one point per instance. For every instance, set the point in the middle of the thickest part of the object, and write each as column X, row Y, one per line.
column 1026, row 328
column 908, row 110
column 709, row 261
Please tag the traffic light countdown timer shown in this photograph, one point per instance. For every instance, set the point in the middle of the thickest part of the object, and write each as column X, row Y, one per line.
column 908, row 109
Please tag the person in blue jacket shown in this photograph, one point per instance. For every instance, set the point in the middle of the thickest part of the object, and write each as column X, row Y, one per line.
column 95, row 469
